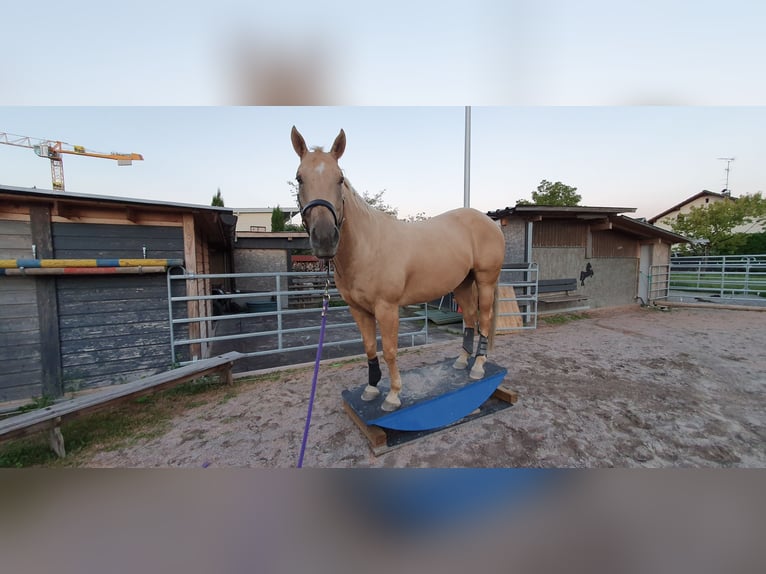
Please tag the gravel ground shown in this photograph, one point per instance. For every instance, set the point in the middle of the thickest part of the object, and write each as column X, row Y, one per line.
column 627, row 387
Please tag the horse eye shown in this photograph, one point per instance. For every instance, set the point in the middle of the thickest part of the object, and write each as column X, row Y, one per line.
column 299, row 179
column 340, row 182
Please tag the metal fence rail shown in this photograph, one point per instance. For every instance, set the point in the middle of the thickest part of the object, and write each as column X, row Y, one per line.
column 284, row 314
column 284, row 318
column 659, row 282
column 522, row 278
column 732, row 277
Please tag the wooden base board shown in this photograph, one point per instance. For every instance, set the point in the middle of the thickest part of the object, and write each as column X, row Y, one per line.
column 382, row 440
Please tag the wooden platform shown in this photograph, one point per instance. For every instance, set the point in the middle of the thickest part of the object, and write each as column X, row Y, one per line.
column 434, row 398
column 50, row 418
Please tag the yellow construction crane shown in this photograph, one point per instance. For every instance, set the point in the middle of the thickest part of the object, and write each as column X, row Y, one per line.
column 53, row 151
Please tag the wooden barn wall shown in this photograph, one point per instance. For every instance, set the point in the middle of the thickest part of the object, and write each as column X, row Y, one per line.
column 98, row 240
column 113, row 327
column 20, row 372
column 554, row 233
column 615, row 244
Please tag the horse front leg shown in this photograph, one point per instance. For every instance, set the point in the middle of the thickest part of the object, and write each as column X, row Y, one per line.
column 388, row 319
column 366, row 323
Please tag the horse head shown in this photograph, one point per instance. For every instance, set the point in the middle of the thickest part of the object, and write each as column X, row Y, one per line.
column 320, row 193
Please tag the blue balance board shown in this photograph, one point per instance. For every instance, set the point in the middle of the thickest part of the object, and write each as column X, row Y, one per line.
column 433, row 396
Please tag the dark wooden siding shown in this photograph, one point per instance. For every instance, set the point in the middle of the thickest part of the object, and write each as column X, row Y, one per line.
column 555, row 233
column 90, row 240
column 20, row 373
column 113, row 327
column 614, row 244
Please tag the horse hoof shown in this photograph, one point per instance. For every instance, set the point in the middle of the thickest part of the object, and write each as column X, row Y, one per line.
column 477, row 372
column 462, row 360
column 460, row 363
column 370, row 393
column 389, row 406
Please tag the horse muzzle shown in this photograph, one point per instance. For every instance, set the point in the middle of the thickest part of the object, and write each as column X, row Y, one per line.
column 323, row 238
column 324, row 232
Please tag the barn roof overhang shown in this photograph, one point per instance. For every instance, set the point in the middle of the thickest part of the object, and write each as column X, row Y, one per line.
column 538, row 212
column 218, row 223
column 645, row 230
column 598, row 217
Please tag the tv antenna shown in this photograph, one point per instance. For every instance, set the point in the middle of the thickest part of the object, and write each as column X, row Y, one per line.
column 728, row 161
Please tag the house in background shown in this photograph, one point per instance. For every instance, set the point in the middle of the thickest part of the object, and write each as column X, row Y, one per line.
column 610, row 256
column 84, row 288
column 258, row 219
column 701, row 199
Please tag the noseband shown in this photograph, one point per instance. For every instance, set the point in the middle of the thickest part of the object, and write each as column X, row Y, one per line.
column 320, row 203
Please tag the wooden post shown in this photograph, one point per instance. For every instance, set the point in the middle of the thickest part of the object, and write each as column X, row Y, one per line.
column 192, row 289
column 47, row 305
column 56, row 439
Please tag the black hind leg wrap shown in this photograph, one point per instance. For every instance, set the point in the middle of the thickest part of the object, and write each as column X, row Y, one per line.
column 373, row 372
column 468, row 340
column 483, row 344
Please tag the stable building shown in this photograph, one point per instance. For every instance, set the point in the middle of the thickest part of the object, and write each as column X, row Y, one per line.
column 588, row 257
column 84, row 290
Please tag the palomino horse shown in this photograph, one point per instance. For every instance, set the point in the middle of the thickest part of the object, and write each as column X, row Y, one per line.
column 382, row 263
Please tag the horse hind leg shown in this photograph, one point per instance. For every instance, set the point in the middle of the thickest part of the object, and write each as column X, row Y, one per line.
column 486, row 328
column 466, row 297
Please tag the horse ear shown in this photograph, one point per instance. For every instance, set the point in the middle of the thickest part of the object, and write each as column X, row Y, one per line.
column 299, row 144
column 339, row 145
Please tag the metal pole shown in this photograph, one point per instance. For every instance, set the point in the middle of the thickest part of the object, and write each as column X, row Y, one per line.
column 467, row 164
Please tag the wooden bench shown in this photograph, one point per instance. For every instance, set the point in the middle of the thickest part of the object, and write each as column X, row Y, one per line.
column 558, row 291
column 52, row 416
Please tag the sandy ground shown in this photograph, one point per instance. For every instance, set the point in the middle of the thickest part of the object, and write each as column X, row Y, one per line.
column 630, row 387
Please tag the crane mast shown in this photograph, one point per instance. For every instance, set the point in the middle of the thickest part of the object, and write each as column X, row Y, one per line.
column 53, row 150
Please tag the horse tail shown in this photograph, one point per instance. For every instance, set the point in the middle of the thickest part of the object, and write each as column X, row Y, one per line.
column 493, row 324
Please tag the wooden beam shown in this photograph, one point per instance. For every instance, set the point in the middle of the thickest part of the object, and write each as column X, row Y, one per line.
column 47, row 305
column 601, row 226
column 131, row 215
column 64, row 210
column 51, row 418
column 192, row 285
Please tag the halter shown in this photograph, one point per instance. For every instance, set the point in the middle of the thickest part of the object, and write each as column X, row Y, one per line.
column 320, row 203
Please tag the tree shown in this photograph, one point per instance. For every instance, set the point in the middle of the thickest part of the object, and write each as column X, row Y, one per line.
column 553, row 194
column 376, row 201
column 710, row 226
column 419, row 216
column 277, row 220
column 217, row 199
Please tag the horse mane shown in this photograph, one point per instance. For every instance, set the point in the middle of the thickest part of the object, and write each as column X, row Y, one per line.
column 361, row 204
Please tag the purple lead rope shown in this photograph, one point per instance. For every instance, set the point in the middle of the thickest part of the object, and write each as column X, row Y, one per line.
column 316, row 373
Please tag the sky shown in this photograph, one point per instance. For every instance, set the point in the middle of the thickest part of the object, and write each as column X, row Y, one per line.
column 398, row 52
column 644, row 157
column 631, row 103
